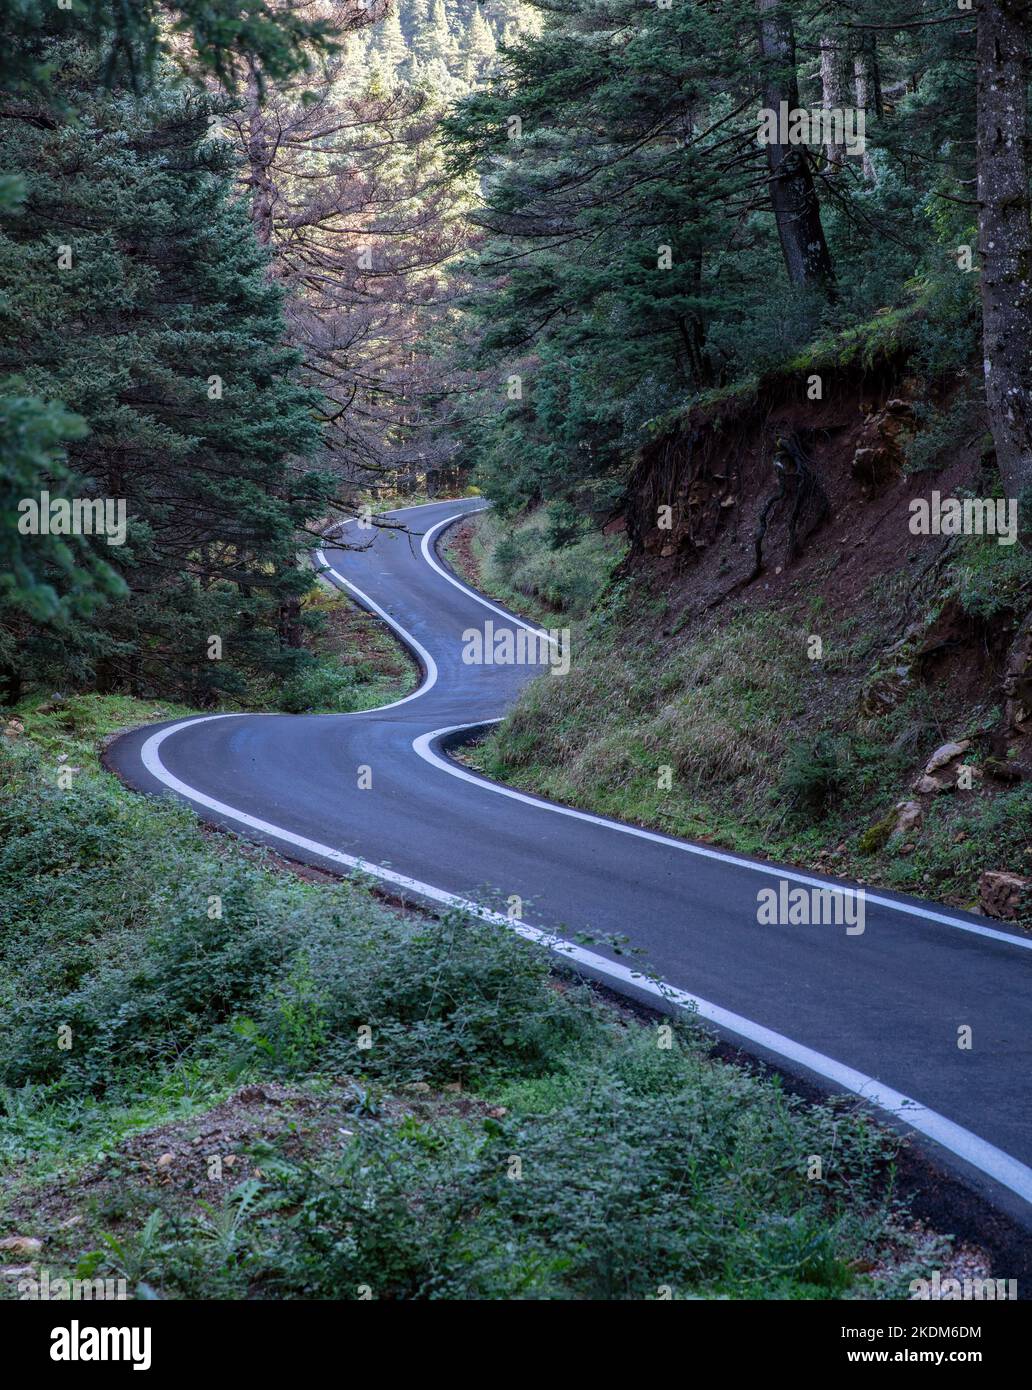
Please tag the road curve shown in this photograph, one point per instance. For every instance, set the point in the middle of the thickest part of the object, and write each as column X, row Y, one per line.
column 876, row 1013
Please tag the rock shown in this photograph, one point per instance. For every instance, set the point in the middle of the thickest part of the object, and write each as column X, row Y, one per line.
column 939, row 775
column 904, row 817
column 885, row 690
column 946, row 754
column 21, row 1245
column 877, row 836
column 928, row 786
column 1005, row 895
column 165, row 1162
column 1017, row 680
column 872, row 467
column 881, row 455
column 910, row 814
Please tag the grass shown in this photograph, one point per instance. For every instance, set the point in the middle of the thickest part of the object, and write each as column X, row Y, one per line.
column 524, row 565
column 732, row 734
column 219, row 1080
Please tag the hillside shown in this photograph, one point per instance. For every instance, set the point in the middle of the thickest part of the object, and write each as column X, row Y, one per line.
column 789, row 709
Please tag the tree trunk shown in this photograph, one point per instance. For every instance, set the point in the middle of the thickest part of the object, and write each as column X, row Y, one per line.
column 291, row 633
column 868, row 94
column 792, row 192
column 11, row 685
column 1005, row 233
column 831, row 97
column 259, row 160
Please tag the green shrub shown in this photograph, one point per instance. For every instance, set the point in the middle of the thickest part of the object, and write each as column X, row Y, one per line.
column 129, row 931
column 653, row 1168
column 182, row 966
column 989, row 579
column 321, row 684
column 552, row 556
column 813, row 775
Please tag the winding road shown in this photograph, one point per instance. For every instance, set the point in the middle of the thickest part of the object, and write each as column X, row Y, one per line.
column 876, row 1013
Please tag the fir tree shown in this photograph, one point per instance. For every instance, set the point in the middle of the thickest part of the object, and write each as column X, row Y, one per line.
column 137, row 295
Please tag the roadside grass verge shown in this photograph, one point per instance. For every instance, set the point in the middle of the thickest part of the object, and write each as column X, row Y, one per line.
column 732, row 734
column 530, row 566
column 220, row 1080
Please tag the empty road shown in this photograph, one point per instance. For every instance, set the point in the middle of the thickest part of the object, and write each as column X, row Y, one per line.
column 876, row 1012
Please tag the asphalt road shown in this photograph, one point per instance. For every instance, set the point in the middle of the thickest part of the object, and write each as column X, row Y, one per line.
column 876, row 1013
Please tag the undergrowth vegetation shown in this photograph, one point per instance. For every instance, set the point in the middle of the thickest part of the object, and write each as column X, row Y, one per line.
column 458, row 1121
column 730, row 732
column 550, row 562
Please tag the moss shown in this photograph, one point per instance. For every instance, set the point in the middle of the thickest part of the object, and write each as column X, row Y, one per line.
column 878, row 835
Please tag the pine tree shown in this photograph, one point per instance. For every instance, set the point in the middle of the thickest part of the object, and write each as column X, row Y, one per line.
column 435, row 41
column 136, row 294
column 277, row 40
column 390, row 43
column 480, row 44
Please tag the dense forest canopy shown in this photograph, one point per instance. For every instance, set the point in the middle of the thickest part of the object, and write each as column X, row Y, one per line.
column 634, row 256
column 258, row 260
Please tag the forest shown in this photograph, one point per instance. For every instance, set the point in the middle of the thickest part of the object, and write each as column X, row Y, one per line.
column 270, row 260
column 713, row 319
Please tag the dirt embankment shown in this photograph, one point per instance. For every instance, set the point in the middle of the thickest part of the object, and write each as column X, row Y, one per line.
column 881, row 725
column 845, row 481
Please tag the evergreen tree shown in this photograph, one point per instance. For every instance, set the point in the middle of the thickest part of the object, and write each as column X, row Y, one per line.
column 136, row 294
column 390, row 43
column 435, row 41
column 53, row 576
column 480, row 44
column 276, row 39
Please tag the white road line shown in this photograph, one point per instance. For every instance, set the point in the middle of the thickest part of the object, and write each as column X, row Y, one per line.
column 428, row 555
column 986, row 1157
column 429, row 664
column 422, row 745
column 431, row 560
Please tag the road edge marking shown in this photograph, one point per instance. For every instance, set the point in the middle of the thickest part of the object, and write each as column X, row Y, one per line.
column 428, row 663
column 422, row 746
column 993, row 1162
